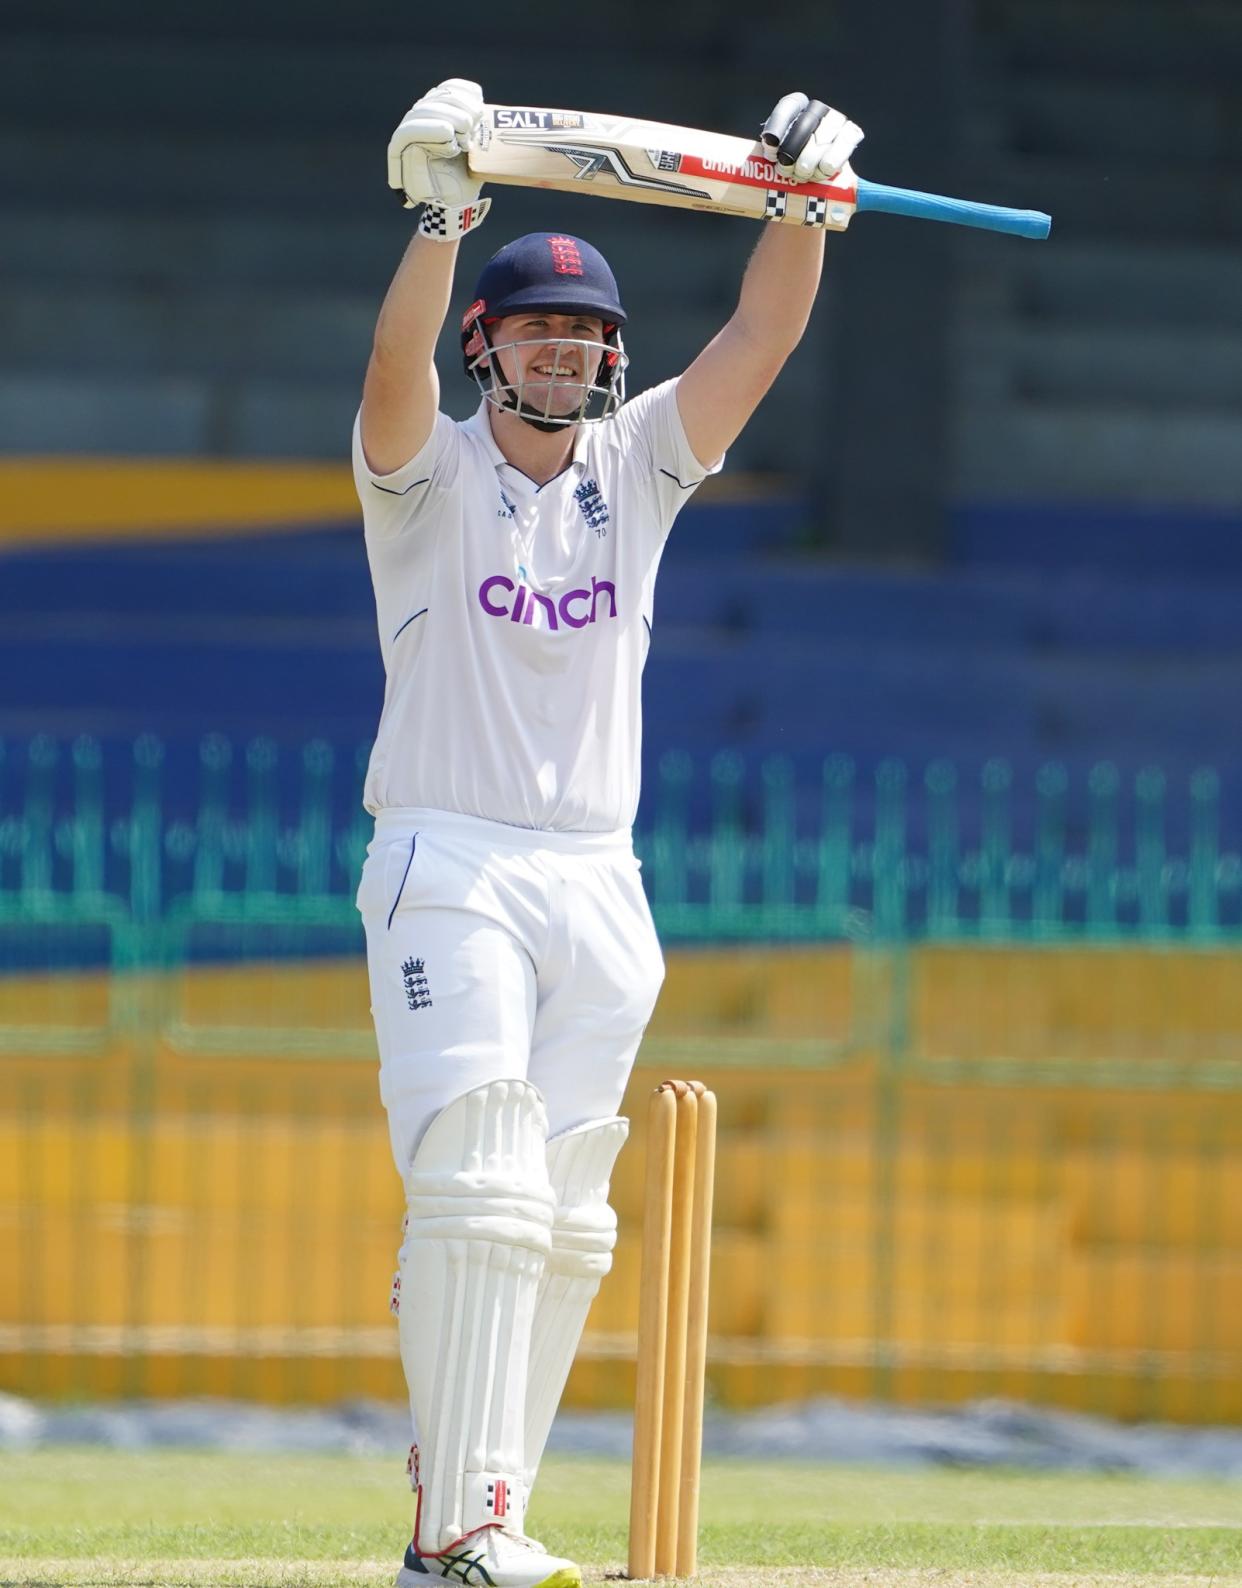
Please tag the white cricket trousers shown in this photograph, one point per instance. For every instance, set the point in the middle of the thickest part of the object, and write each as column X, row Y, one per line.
column 501, row 953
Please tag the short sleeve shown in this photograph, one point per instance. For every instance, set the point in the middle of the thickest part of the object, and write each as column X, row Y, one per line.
column 650, row 426
column 403, row 500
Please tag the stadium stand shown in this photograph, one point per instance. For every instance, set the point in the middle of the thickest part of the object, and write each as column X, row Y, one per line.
column 209, row 293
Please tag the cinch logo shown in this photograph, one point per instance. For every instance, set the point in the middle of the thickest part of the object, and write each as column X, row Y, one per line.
column 566, row 260
column 575, row 609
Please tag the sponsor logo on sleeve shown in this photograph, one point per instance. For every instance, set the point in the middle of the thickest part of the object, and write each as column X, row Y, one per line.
column 417, row 991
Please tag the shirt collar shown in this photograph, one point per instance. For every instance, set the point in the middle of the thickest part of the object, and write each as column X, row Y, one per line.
column 479, row 426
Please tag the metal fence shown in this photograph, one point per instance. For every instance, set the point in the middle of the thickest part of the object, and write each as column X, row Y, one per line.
column 978, row 1046
column 731, row 848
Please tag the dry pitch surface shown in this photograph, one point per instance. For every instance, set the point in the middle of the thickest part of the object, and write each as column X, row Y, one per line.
column 153, row 1518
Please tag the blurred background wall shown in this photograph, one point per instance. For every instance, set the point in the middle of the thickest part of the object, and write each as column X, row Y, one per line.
column 942, row 818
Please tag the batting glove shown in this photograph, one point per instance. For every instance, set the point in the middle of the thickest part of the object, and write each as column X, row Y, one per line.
column 427, row 160
column 808, row 140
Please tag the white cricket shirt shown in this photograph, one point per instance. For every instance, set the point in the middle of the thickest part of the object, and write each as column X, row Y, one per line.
column 514, row 618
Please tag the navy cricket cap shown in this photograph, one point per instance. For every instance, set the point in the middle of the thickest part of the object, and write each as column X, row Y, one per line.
column 548, row 270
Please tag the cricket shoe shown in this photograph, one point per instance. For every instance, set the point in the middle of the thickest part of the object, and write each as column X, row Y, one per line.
column 489, row 1557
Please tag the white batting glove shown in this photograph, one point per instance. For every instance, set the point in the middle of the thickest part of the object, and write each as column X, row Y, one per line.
column 808, row 140
column 427, row 159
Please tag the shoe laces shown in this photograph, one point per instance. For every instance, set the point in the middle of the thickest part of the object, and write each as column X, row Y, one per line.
column 526, row 1541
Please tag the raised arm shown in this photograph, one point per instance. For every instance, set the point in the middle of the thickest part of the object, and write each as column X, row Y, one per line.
column 427, row 162
column 401, row 392
column 724, row 385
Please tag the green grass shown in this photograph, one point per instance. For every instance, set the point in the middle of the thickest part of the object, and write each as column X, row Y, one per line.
column 154, row 1518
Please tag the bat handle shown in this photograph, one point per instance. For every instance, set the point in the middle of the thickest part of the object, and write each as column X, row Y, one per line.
column 960, row 212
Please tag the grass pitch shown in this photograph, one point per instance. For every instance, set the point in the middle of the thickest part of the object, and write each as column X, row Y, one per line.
column 154, row 1518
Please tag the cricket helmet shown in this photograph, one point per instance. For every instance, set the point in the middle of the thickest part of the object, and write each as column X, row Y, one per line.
column 558, row 274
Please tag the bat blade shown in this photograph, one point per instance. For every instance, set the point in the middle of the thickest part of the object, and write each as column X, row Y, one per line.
column 650, row 162
column 654, row 162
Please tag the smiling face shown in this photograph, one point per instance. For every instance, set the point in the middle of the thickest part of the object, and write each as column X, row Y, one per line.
column 549, row 363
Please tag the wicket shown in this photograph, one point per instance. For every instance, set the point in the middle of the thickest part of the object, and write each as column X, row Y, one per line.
column 672, row 1330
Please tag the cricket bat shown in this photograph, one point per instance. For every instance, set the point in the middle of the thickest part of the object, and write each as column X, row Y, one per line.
column 651, row 162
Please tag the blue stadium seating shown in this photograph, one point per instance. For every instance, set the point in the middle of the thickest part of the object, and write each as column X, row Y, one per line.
column 766, row 656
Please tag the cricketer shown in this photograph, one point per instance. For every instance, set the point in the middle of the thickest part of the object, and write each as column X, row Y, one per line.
column 512, row 958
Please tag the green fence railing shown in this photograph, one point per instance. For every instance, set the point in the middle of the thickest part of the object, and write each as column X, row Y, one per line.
column 731, row 849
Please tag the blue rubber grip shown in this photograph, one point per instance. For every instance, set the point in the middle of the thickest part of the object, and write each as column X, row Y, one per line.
column 959, row 212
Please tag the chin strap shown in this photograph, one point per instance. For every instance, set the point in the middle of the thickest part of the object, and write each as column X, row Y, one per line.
column 546, row 425
column 532, row 416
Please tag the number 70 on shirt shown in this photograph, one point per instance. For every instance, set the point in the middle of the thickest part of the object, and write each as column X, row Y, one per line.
column 652, row 162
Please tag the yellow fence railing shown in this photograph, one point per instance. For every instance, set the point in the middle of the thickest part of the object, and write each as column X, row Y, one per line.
column 945, row 1172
